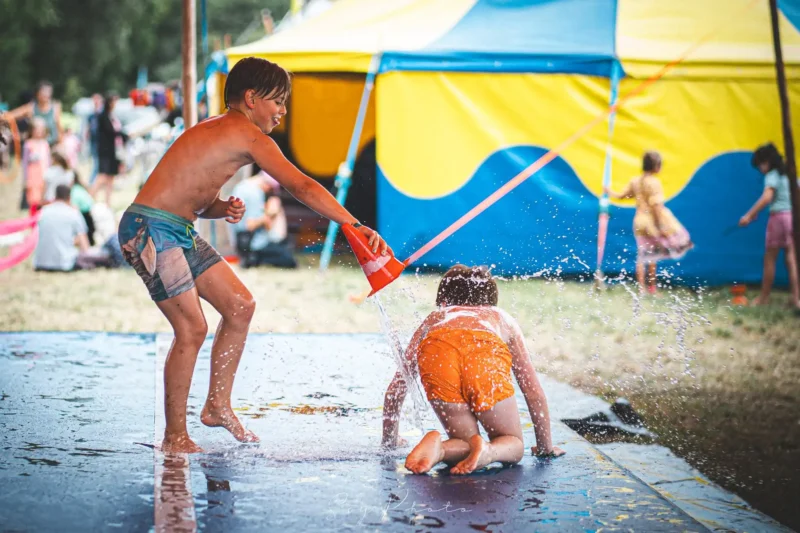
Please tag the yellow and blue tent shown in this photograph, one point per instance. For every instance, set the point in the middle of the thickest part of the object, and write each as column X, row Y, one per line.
column 470, row 92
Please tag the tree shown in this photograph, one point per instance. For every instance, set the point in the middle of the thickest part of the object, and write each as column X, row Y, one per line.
column 86, row 46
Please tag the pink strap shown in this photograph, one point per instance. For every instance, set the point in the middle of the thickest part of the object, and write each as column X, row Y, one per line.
column 19, row 224
column 21, row 251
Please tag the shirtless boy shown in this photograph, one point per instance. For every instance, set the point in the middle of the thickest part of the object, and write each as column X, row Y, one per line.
column 178, row 267
column 465, row 352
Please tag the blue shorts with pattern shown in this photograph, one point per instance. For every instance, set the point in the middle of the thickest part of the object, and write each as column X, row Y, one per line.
column 164, row 249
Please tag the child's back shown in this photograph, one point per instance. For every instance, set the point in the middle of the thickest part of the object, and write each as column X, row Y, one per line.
column 465, row 353
column 491, row 319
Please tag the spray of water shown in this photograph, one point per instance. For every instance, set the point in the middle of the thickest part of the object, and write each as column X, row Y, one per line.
column 419, row 406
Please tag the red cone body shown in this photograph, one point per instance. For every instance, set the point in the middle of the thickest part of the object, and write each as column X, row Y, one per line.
column 380, row 270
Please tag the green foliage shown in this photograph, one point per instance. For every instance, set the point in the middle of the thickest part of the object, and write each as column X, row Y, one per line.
column 86, row 46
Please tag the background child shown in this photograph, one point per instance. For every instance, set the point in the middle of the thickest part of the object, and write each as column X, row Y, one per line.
column 464, row 353
column 780, row 236
column 70, row 146
column 658, row 233
column 35, row 160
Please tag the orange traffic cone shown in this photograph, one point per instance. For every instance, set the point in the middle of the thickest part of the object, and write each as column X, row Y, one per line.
column 380, row 270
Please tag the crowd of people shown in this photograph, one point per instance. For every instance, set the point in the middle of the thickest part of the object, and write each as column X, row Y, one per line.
column 67, row 206
column 70, row 237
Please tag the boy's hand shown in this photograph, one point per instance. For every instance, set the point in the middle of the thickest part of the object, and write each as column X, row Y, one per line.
column 376, row 242
column 554, row 452
column 235, row 210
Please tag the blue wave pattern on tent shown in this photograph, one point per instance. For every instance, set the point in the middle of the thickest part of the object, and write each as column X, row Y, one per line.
column 549, row 223
column 545, row 223
column 568, row 36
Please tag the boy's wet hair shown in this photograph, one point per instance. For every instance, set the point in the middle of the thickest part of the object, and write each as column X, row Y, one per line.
column 467, row 286
column 768, row 153
column 260, row 75
column 651, row 161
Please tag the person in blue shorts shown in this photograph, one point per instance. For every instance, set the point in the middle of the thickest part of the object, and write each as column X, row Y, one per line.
column 158, row 239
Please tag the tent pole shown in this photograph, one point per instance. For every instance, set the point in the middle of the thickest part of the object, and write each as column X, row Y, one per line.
column 603, row 216
column 204, row 43
column 788, row 139
column 343, row 176
column 189, row 47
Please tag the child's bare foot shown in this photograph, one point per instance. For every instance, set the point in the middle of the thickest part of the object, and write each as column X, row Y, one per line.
column 215, row 417
column 179, row 444
column 427, row 454
column 479, row 456
column 759, row 301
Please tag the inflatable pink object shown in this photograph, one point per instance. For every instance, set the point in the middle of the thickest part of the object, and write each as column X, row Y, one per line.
column 21, row 251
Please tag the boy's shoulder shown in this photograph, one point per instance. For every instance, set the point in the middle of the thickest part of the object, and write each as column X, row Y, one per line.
column 506, row 317
column 230, row 127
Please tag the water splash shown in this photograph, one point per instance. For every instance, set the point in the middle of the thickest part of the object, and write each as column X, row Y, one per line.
column 419, row 405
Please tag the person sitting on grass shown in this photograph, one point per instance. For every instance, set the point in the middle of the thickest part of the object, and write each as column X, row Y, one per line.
column 62, row 235
column 262, row 234
column 465, row 352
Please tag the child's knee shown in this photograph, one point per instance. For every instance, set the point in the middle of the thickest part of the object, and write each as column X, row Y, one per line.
column 194, row 333
column 247, row 306
column 517, row 449
column 241, row 309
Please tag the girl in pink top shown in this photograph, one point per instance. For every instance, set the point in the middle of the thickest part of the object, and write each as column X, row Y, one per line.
column 35, row 160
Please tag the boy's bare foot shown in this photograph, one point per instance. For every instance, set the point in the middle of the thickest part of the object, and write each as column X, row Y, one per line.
column 215, row 417
column 758, row 301
column 479, row 456
column 427, row 454
column 179, row 444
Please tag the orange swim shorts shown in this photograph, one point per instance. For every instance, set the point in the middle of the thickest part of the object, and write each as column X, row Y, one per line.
column 465, row 366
